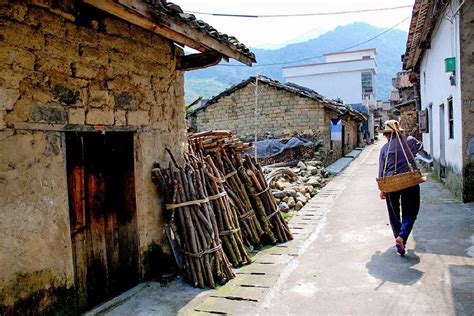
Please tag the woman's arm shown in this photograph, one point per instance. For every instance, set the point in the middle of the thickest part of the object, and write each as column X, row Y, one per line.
column 414, row 144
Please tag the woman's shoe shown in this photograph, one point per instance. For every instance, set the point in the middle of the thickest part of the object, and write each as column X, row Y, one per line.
column 400, row 246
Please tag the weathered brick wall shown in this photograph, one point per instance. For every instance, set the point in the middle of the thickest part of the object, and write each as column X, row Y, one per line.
column 467, row 94
column 281, row 114
column 55, row 71
column 408, row 120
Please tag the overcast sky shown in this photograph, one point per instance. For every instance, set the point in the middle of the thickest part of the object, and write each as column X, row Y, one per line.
column 272, row 32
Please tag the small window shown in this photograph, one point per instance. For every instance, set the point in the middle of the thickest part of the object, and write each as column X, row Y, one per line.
column 451, row 117
column 423, row 121
column 366, row 80
column 366, row 57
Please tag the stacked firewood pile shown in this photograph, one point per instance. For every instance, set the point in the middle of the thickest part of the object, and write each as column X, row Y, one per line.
column 215, row 141
column 290, row 155
column 246, row 185
column 219, row 206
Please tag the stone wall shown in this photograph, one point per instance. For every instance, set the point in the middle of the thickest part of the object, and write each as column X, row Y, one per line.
column 58, row 75
column 281, row 113
column 467, row 95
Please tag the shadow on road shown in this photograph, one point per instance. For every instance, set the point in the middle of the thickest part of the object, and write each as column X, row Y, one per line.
column 388, row 266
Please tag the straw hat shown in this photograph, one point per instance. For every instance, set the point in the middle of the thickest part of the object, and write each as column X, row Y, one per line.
column 392, row 126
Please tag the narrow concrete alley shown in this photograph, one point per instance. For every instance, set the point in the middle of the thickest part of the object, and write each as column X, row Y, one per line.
column 352, row 266
column 342, row 261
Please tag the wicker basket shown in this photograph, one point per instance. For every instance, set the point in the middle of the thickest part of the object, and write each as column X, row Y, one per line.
column 400, row 181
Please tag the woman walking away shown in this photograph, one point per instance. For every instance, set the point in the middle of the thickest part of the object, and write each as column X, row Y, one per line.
column 397, row 158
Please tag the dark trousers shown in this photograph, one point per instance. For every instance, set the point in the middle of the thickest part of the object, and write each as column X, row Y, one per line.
column 409, row 200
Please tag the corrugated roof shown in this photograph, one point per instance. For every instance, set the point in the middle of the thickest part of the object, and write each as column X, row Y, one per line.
column 175, row 11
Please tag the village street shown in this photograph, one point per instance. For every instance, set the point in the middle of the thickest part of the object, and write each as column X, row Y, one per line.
column 342, row 261
column 180, row 157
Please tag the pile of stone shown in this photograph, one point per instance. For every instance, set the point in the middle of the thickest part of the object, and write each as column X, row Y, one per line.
column 293, row 192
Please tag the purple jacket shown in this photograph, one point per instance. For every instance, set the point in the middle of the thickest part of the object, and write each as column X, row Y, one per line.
column 400, row 164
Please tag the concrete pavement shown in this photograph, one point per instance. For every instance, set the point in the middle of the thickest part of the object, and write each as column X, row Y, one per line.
column 342, row 261
column 353, row 268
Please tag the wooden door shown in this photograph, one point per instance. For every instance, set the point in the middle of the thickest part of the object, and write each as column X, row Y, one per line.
column 102, row 214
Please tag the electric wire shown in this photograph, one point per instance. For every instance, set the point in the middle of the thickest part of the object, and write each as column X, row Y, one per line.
column 320, row 56
column 297, row 14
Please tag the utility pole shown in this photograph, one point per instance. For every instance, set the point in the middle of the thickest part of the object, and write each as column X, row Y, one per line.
column 256, row 93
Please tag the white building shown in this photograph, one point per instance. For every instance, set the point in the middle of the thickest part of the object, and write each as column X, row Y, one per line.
column 349, row 76
column 438, row 47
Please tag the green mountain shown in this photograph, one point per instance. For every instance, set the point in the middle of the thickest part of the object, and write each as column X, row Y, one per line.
column 390, row 46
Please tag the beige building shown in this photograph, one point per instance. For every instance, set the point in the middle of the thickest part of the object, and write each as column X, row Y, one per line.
column 283, row 110
column 89, row 99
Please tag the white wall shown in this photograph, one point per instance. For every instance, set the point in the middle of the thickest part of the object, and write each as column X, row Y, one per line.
column 350, row 55
column 330, row 67
column 345, row 85
column 436, row 89
column 333, row 80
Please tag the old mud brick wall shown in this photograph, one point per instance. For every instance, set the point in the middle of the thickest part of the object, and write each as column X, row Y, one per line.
column 53, row 70
column 467, row 95
column 282, row 114
column 351, row 130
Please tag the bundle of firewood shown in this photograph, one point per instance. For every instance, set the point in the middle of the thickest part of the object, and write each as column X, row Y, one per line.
column 264, row 202
column 194, row 223
column 217, row 203
column 256, row 207
column 214, row 141
column 289, row 155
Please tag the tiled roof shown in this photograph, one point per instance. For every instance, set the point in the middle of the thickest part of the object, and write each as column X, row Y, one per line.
column 402, row 80
column 292, row 88
column 394, row 96
column 406, row 103
column 424, row 16
column 176, row 12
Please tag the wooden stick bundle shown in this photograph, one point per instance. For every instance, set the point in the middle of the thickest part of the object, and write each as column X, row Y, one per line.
column 227, row 219
column 196, row 226
column 246, row 185
column 273, row 214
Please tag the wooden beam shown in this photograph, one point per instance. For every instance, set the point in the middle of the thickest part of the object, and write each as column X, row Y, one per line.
column 198, row 61
column 144, row 15
column 45, row 5
column 138, row 20
column 184, row 29
column 74, row 128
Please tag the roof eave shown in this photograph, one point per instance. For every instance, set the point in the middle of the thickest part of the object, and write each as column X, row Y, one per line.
column 143, row 15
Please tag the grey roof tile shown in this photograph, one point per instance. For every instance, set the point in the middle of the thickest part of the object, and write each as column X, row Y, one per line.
column 175, row 11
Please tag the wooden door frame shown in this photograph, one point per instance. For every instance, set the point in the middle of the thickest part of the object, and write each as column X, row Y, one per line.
column 78, row 241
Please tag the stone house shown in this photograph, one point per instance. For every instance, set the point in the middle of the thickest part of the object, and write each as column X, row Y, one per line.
column 283, row 110
column 91, row 93
column 439, row 51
